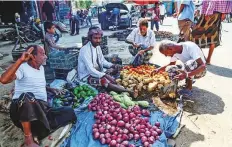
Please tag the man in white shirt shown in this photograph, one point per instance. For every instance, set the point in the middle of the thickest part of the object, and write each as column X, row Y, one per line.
column 29, row 109
column 192, row 57
column 162, row 12
column 91, row 64
column 142, row 40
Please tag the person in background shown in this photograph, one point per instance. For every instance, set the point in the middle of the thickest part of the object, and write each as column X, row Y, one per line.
column 91, row 64
column 48, row 11
column 155, row 17
column 185, row 15
column 162, row 12
column 81, row 14
column 190, row 55
column 89, row 17
column 115, row 17
column 74, row 24
column 50, row 41
column 207, row 32
column 142, row 40
column 29, row 109
column 57, row 10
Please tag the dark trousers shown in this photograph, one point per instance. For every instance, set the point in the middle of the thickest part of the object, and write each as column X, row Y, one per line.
column 74, row 25
column 156, row 23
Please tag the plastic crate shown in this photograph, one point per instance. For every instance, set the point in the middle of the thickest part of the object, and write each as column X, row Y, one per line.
column 61, row 73
column 67, row 61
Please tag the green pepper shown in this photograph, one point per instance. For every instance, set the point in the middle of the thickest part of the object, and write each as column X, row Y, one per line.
column 78, row 95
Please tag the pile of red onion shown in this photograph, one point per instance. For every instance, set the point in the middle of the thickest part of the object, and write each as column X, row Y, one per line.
column 116, row 126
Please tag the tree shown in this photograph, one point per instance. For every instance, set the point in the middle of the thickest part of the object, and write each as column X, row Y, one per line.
column 83, row 4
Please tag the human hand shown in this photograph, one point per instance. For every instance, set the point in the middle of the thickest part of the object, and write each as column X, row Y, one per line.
column 136, row 45
column 155, row 71
column 175, row 15
column 110, row 78
column 181, row 76
column 117, row 66
column 27, row 55
column 141, row 52
column 57, row 91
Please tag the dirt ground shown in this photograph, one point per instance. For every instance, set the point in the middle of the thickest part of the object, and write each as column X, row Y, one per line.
column 207, row 114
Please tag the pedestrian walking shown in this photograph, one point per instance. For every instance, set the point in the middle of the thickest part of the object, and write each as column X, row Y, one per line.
column 207, row 32
column 74, row 24
column 155, row 17
column 89, row 17
column 185, row 14
column 162, row 12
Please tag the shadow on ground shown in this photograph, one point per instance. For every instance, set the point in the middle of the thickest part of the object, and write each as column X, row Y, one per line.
column 187, row 137
column 204, row 102
column 221, row 71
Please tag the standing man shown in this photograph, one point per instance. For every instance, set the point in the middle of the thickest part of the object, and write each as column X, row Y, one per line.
column 29, row 109
column 48, row 11
column 142, row 40
column 185, row 15
column 91, row 64
column 162, row 12
column 155, row 17
column 207, row 32
column 89, row 17
column 189, row 54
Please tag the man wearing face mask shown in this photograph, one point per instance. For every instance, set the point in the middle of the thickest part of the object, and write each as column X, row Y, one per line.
column 29, row 109
column 142, row 40
column 92, row 64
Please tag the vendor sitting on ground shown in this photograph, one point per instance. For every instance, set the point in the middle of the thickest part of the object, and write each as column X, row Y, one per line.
column 91, row 64
column 190, row 55
column 29, row 109
column 142, row 40
column 50, row 40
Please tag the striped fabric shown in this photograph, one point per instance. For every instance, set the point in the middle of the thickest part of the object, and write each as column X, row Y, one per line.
column 222, row 6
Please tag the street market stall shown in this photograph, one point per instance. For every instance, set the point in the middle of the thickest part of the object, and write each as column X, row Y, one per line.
column 116, row 119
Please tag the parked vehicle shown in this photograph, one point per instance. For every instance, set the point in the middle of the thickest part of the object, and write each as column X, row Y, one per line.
column 104, row 18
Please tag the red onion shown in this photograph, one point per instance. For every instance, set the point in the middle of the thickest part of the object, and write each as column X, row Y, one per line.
column 136, row 136
column 157, row 124
column 103, row 118
column 113, row 143
column 157, row 138
column 146, row 144
column 101, row 130
column 112, row 129
column 130, row 136
column 115, row 133
column 146, row 119
column 123, row 111
column 132, row 115
column 107, row 135
column 126, row 119
column 154, row 133
column 113, row 137
column 127, row 125
column 159, row 131
column 108, row 126
column 125, row 115
column 142, row 126
column 121, row 123
column 151, row 139
column 145, row 112
column 141, row 134
column 95, row 130
column 110, row 118
column 119, row 140
column 142, row 131
column 143, row 139
column 103, row 141
column 119, row 117
column 113, row 122
column 98, row 121
column 108, row 140
column 148, row 133
column 137, row 121
column 94, row 125
column 102, row 136
column 125, row 131
column 125, row 143
column 137, row 127
column 131, row 145
column 96, row 135
column 124, row 137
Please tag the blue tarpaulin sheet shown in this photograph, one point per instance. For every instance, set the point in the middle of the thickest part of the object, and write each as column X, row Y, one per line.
column 81, row 134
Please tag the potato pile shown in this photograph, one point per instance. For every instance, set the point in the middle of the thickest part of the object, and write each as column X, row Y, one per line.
column 140, row 78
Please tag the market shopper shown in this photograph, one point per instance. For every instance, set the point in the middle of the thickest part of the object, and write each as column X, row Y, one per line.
column 155, row 17
column 207, row 31
column 190, row 55
column 29, row 109
column 185, row 14
column 142, row 40
column 91, row 64
column 89, row 17
column 162, row 12
column 48, row 11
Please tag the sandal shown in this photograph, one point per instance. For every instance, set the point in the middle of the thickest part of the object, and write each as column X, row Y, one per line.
column 185, row 92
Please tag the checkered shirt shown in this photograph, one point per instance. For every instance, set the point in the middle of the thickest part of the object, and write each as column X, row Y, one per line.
column 222, row 6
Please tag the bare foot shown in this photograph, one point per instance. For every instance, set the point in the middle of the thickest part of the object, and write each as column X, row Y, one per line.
column 29, row 142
